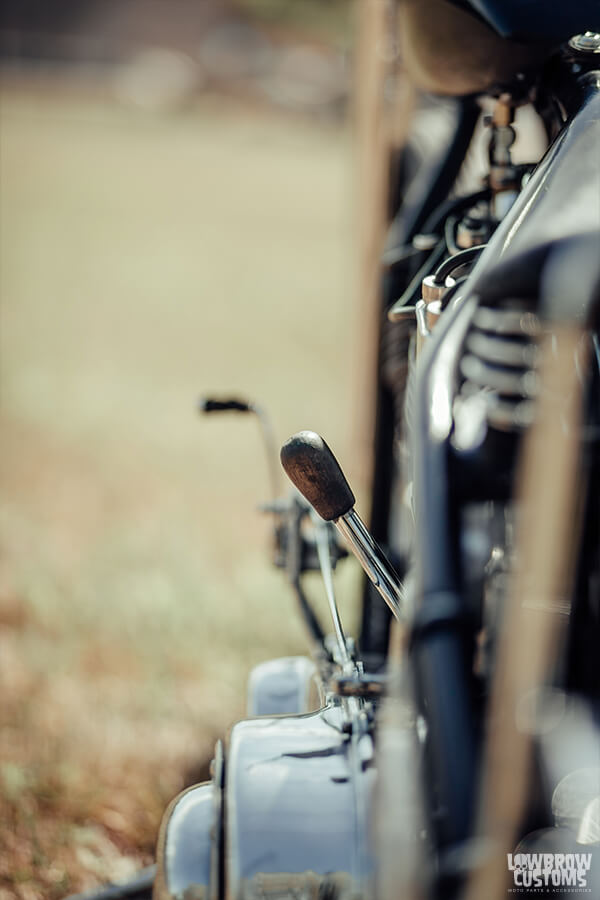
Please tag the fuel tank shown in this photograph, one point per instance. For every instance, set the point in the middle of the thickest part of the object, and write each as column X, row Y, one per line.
column 450, row 51
column 529, row 19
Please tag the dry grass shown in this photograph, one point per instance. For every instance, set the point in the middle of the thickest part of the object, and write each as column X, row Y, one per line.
column 145, row 259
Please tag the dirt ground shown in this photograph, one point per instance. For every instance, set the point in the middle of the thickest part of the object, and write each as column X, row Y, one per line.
column 147, row 258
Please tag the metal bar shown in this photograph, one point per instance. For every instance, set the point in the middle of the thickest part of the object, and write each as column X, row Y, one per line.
column 373, row 560
column 323, row 551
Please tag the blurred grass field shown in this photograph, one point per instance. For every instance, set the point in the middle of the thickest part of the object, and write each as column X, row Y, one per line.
column 146, row 259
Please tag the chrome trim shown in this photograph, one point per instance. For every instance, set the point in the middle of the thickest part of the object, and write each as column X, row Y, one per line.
column 323, row 551
column 281, row 687
column 298, row 807
column 373, row 561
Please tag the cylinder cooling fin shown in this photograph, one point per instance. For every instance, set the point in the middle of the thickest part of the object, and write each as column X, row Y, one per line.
column 498, row 364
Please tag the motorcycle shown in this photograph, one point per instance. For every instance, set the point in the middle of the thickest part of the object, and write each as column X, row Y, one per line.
column 453, row 750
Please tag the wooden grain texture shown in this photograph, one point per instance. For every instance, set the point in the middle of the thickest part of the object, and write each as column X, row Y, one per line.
column 314, row 470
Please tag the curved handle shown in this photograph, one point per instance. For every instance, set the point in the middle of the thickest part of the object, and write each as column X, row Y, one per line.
column 212, row 405
column 313, row 469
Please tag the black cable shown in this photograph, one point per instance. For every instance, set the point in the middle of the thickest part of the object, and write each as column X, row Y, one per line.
column 454, row 262
column 312, row 623
column 433, row 259
column 452, row 207
column 434, row 225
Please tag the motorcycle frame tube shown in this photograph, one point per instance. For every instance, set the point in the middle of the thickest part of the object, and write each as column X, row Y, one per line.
column 440, row 638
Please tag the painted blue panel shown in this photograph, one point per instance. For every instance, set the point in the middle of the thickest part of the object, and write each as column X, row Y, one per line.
column 540, row 20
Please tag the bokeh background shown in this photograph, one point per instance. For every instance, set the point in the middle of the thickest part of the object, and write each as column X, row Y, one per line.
column 177, row 218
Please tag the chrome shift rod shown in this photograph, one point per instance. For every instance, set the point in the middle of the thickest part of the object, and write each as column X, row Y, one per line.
column 371, row 557
column 314, row 470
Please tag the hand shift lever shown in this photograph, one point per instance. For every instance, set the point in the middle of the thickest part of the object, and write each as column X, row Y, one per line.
column 314, row 470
